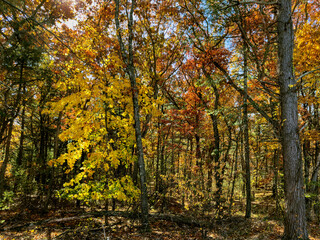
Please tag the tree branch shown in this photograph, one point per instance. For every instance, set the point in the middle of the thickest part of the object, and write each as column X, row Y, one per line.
column 273, row 122
column 258, row 2
column 307, row 73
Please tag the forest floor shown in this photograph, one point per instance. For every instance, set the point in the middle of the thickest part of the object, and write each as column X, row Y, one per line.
column 73, row 225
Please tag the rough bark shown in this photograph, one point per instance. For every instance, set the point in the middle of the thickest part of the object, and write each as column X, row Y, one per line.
column 295, row 213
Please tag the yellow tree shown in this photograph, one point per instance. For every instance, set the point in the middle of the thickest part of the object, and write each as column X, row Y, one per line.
column 96, row 99
column 97, row 119
column 307, row 66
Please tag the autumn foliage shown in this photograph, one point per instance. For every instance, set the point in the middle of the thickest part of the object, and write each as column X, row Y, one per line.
column 206, row 77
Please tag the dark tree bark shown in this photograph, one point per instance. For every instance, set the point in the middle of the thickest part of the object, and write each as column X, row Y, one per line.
column 127, row 56
column 235, row 174
column 157, row 185
column 6, row 160
column 307, row 165
column 295, row 226
column 275, row 191
column 22, row 136
column 216, row 152
column 246, row 133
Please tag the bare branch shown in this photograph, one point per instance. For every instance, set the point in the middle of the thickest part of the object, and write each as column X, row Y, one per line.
column 272, row 121
column 307, row 73
column 237, row 3
column 259, row 2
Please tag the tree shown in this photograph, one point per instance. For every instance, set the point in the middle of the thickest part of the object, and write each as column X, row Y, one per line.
column 22, row 46
column 295, row 222
column 127, row 57
column 306, row 64
column 295, row 213
column 169, row 91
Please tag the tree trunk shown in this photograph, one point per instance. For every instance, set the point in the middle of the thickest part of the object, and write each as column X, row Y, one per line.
column 235, row 174
column 314, row 184
column 295, row 226
column 275, row 192
column 127, row 56
column 307, row 165
column 142, row 171
column 157, row 185
column 6, row 160
column 172, row 153
column 21, row 142
column 246, row 133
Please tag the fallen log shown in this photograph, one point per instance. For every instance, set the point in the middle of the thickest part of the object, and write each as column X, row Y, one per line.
column 179, row 219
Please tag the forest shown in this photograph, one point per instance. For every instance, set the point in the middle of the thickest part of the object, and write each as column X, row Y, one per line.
column 160, row 119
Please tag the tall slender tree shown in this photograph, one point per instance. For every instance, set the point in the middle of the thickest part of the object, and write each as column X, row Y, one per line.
column 127, row 56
